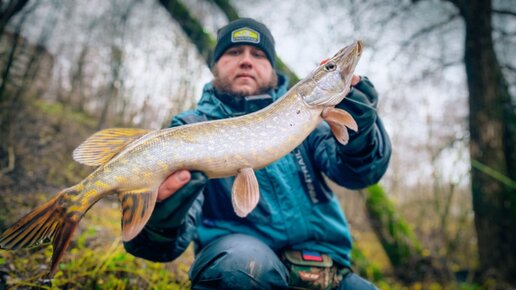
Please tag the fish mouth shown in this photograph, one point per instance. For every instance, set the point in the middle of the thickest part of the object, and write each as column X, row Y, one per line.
column 349, row 52
column 359, row 47
column 348, row 58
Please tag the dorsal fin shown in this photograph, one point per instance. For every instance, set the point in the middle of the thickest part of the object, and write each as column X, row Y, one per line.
column 100, row 147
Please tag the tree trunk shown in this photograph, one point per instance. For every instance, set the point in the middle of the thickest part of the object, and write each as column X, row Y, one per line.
column 191, row 27
column 6, row 70
column 8, row 10
column 13, row 83
column 491, row 124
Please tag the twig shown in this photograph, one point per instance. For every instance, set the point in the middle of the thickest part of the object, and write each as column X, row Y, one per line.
column 493, row 173
column 424, row 31
column 509, row 68
column 11, row 162
column 504, row 12
column 431, row 71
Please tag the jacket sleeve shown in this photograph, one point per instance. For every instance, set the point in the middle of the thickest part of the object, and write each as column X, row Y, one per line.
column 172, row 225
column 364, row 160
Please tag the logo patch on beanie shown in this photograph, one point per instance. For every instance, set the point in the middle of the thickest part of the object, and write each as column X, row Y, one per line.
column 245, row 34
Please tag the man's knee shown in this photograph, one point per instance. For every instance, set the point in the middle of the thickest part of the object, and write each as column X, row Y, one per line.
column 238, row 262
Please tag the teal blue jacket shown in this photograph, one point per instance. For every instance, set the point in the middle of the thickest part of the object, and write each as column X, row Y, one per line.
column 296, row 209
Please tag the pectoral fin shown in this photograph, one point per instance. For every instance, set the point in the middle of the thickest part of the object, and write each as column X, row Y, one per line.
column 137, row 206
column 100, row 147
column 245, row 193
column 339, row 120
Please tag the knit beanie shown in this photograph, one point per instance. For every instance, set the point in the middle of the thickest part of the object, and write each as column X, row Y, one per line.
column 244, row 31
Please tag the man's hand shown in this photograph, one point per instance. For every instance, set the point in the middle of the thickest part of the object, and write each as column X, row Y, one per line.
column 173, row 183
column 355, row 80
column 361, row 104
column 176, row 194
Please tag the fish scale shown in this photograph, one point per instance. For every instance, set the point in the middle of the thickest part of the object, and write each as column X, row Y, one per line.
column 132, row 163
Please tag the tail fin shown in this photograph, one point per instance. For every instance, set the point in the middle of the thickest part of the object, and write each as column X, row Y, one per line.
column 49, row 222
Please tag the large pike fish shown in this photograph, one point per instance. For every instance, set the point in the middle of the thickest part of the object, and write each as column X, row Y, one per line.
column 132, row 163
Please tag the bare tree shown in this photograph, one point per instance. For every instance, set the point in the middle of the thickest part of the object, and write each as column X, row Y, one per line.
column 491, row 121
column 117, row 59
column 492, row 126
column 20, row 71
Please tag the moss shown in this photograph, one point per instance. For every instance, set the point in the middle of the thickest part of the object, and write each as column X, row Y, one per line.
column 57, row 109
column 395, row 234
column 364, row 267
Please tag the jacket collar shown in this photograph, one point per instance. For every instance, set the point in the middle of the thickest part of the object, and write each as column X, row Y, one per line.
column 222, row 106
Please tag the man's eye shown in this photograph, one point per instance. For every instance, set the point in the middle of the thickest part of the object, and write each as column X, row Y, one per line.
column 259, row 54
column 232, row 52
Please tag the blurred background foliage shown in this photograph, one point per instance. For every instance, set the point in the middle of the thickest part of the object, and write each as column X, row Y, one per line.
column 443, row 217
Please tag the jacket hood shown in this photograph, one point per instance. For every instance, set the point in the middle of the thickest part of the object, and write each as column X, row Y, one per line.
column 213, row 107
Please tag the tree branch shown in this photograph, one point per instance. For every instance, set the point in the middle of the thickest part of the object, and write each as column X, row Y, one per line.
column 460, row 4
column 509, row 67
column 227, row 8
column 425, row 31
column 504, row 12
column 394, row 14
column 504, row 33
column 437, row 69
column 11, row 162
column 9, row 10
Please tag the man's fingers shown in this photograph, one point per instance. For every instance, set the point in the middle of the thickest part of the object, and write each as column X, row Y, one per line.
column 173, row 183
column 355, row 80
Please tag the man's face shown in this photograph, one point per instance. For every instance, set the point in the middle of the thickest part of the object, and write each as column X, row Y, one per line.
column 244, row 71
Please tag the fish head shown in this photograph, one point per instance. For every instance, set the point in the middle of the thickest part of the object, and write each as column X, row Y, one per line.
column 329, row 83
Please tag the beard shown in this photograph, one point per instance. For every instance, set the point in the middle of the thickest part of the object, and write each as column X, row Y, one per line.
column 223, row 85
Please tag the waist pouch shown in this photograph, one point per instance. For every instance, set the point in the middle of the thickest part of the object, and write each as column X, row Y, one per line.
column 310, row 270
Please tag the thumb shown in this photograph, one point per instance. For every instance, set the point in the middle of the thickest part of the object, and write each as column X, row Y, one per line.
column 173, row 183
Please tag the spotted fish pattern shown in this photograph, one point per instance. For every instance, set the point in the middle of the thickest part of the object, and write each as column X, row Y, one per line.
column 132, row 163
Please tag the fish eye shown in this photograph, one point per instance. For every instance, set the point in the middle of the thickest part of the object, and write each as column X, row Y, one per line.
column 330, row 66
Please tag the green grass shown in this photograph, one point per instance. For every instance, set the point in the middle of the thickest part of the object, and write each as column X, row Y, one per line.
column 96, row 259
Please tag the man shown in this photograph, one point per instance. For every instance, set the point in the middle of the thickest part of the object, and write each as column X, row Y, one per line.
column 297, row 236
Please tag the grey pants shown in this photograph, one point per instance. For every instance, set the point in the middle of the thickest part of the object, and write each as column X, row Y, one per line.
column 243, row 262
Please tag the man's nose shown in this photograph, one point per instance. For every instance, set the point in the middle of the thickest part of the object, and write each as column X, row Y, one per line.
column 246, row 60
